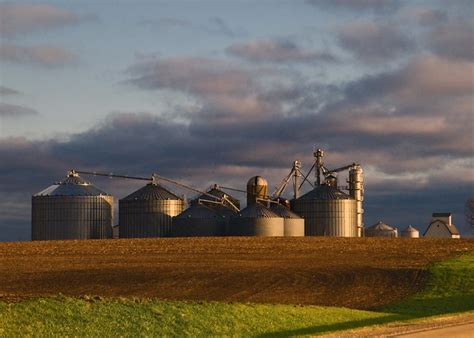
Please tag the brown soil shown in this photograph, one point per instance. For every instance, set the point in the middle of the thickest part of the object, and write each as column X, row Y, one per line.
column 359, row 273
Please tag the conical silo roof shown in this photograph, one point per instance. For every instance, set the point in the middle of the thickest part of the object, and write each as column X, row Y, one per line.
column 325, row 192
column 72, row 185
column 151, row 191
column 283, row 211
column 410, row 229
column 257, row 210
column 199, row 211
column 215, row 191
column 381, row 226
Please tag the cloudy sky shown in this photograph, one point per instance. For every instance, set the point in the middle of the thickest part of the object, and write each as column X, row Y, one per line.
column 219, row 91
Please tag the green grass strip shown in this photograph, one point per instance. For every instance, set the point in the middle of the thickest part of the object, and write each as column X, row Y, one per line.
column 450, row 290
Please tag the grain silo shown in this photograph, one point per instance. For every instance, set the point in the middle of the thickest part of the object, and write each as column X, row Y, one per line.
column 327, row 211
column 71, row 209
column 257, row 189
column 199, row 220
column 256, row 220
column 381, row 229
column 293, row 224
column 148, row 212
column 410, row 232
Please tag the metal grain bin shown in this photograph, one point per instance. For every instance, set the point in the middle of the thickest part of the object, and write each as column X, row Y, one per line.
column 71, row 209
column 256, row 220
column 327, row 211
column 200, row 220
column 293, row 224
column 410, row 232
column 215, row 191
column 148, row 212
column 381, row 229
column 257, row 188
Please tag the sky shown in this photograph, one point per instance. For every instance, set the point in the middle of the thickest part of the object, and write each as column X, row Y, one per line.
column 219, row 91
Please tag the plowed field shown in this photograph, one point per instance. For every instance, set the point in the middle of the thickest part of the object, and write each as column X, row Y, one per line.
column 360, row 273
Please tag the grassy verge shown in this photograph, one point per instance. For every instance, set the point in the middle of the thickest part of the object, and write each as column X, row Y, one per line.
column 450, row 290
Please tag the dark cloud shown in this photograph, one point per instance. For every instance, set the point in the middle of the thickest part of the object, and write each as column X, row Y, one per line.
column 12, row 111
column 411, row 128
column 277, row 51
column 372, row 43
column 454, row 39
column 20, row 19
column 5, row 91
column 358, row 5
column 39, row 55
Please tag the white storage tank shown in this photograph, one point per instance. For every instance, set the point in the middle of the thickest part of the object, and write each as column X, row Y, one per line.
column 410, row 232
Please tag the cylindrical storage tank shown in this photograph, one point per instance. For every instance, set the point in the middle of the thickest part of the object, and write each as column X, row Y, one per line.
column 148, row 212
column 293, row 224
column 410, row 232
column 71, row 209
column 200, row 221
column 381, row 229
column 356, row 191
column 257, row 188
column 327, row 211
column 256, row 220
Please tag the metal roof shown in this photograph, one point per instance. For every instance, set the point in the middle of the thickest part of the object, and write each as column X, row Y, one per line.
column 72, row 185
column 410, row 229
column 257, row 180
column 451, row 227
column 151, row 191
column 198, row 211
column 325, row 192
column 283, row 211
column 214, row 191
column 381, row 226
column 257, row 210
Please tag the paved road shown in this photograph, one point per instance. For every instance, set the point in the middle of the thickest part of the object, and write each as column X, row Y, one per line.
column 458, row 331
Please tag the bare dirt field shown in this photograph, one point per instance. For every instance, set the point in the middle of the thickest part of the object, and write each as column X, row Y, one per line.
column 360, row 273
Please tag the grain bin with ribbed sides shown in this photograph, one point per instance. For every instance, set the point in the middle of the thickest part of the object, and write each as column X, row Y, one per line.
column 381, row 229
column 410, row 232
column 293, row 224
column 327, row 211
column 256, row 220
column 148, row 212
column 71, row 209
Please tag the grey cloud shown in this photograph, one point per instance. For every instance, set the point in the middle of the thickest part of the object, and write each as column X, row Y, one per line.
column 371, row 42
column 5, row 91
column 277, row 51
column 39, row 55
column 454, row 39
column 20, row 19
column 12, row 111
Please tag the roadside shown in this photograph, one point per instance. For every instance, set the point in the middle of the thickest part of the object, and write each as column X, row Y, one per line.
column 461, row 325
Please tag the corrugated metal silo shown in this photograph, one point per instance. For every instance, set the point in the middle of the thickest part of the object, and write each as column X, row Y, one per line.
column 257, row 188
column 381, row 229
column 410, row 232
column 327, row 211
column 148, row 212
column 200, row 220
column 256, row 220
column 293, row 224
column 71, row 209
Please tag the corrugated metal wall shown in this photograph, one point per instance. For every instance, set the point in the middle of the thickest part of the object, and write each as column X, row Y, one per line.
column 71, row 217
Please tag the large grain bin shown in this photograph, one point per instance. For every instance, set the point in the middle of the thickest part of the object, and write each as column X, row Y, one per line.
column 327, row 211
column 148, row 212
column 199, row 220
column 410, row 232
column 293, row 224
column 256, row 220
column 381, row 229
column 71, row 209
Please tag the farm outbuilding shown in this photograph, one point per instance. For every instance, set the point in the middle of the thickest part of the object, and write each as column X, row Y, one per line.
column 441, row 226
column 256, row 220
column 410, row 232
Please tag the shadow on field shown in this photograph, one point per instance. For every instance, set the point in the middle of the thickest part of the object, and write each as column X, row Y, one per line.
column 412, row 309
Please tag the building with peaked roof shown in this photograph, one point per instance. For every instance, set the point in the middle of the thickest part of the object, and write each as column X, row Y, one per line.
column 441, row 226
column 381, row 229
